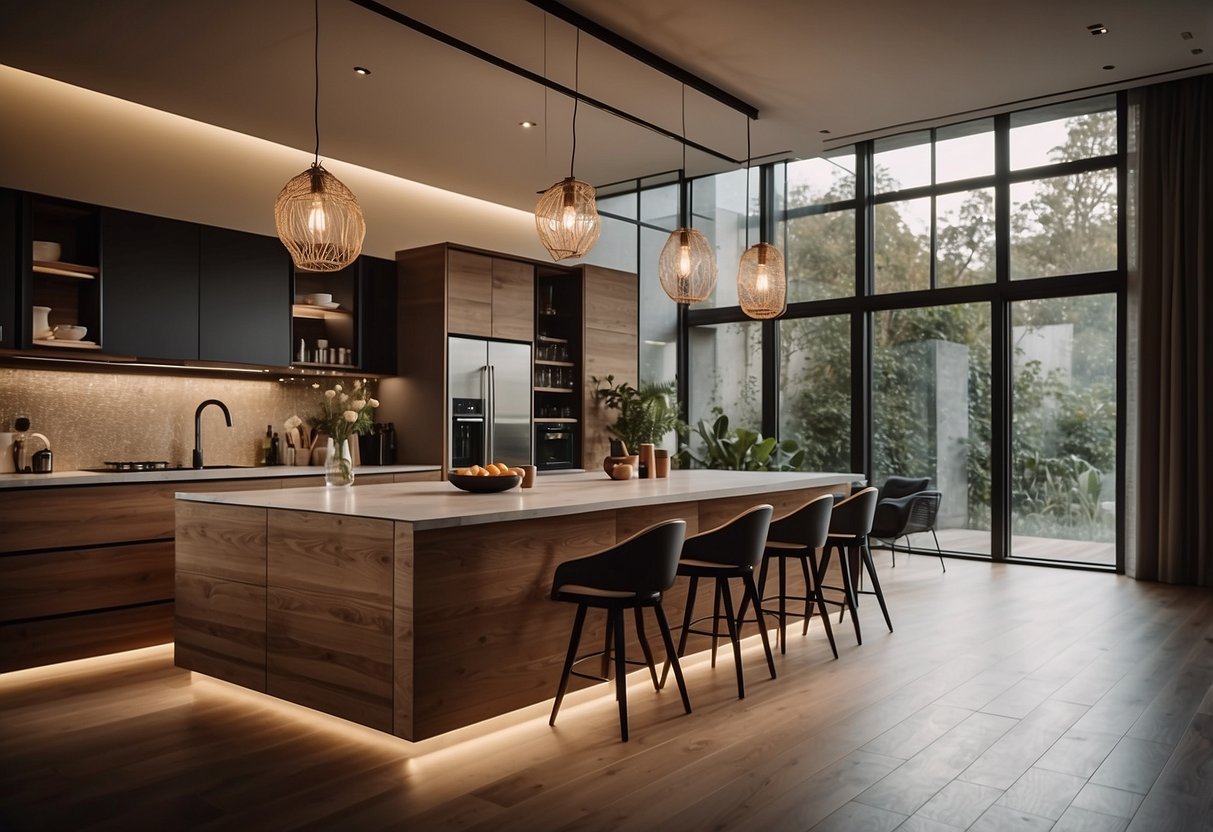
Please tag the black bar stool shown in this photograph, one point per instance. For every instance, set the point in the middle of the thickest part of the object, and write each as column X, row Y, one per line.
column 850, row 523
column 798, row 536
column 733, row 550
column 630, row 575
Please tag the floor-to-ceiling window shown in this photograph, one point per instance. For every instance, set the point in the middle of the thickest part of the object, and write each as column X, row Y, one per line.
column 954, row 306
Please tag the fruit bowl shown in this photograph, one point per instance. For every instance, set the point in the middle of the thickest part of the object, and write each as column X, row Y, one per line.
column 484, row 485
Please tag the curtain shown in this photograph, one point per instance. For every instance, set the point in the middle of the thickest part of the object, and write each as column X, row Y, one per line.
column 1173, row 292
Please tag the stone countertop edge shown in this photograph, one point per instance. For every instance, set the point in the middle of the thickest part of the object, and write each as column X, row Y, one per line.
column 58, row 478
column 437, row 505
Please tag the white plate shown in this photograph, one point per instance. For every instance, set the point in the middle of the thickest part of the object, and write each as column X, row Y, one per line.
column 321, row 305
column 80, row 345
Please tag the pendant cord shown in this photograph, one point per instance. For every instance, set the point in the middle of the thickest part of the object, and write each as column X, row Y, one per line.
column 576, row 98
column 316, row 98
column 545, row 90
column 684, row 131
column 748, row 121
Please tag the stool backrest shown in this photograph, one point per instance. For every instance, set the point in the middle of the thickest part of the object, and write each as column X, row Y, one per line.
column 808, row 525
column 645, row 562
column 853, row 516
column 739, row 541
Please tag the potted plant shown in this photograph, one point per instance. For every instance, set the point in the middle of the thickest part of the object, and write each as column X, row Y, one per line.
column 645, row 414
column 741, row 449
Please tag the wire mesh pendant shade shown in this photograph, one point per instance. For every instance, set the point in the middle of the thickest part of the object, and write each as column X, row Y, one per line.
column 687, row 266
column 319, row 221
column 762, row 286
column 566, row 218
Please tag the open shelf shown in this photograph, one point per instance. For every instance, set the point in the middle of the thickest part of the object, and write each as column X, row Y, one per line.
column 60, row 269
column 301, row 310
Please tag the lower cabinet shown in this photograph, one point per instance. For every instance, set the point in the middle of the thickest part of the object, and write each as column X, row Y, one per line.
column 104, row 582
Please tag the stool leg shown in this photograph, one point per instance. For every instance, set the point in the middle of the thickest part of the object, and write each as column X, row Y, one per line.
column 715, row 623
column 672, row 655
column 574, row 640
column 644, row 646
column 848, row 587
column 723, row 591
column 686, row 627
column 866, row 554
column 752, row 592
column 821, row 601
column 808, row 593
column 783, row 606
column 606, row 646
column 938, row 550
column 621, row 672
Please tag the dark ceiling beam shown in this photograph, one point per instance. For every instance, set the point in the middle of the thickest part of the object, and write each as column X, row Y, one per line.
column 637, row 52
column 488, row 57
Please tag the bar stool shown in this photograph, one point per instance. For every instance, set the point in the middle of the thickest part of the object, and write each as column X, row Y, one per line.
column 850, row 523
column 630, row 575
column 798, row 536
column 732, row 550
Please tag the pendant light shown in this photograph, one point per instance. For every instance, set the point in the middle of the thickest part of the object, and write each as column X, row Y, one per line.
column 566, row 216
column 762, row 285
column 317, row 217
column 687, row 265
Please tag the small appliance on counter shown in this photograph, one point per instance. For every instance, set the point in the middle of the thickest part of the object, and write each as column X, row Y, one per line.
column 25, row 462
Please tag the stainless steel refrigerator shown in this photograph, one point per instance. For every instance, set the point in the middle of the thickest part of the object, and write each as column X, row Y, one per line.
column 498, row 373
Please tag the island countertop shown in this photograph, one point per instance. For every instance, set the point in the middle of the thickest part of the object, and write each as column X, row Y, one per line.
column 436, row 505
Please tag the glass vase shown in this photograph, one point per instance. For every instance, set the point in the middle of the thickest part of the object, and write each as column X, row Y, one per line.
column 338, row 464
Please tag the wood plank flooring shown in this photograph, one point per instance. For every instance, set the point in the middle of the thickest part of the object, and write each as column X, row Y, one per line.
column 1008, row 698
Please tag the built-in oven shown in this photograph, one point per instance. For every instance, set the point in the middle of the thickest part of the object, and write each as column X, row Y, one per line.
column 467, row 433
column 555, row 447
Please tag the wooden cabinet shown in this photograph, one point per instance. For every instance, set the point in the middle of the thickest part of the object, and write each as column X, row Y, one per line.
column 490, row 297
column 244, row 298
column 611, row 347
column 151, row 285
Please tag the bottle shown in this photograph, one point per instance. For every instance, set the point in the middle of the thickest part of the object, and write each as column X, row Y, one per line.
column 389, row 451
column 275, row 450
column 266, row 443
column 20, row 435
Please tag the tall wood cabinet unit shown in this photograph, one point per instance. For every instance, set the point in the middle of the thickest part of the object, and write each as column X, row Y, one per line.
column 448, row 290
column 611, row 303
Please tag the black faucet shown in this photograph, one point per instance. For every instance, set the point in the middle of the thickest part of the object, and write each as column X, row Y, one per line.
column 198, row 426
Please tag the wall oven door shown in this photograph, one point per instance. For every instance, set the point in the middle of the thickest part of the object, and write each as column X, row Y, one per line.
column 555, row 447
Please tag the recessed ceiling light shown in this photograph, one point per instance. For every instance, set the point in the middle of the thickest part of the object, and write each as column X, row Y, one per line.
column 1097, row 29
column 824, row 132
column 527, row 125
column 1197, row 51
column 1186, row 35
column 1109, row 66
column 361, row 70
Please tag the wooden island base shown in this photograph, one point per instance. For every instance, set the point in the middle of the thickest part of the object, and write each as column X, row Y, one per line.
column 416, row 624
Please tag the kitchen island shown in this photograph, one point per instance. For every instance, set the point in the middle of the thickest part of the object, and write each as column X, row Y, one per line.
column 415, row 608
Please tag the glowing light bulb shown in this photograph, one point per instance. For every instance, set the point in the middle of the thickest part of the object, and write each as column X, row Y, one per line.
column 762, row 278
column 568, row 218
column 317, row 219
column 684, row 261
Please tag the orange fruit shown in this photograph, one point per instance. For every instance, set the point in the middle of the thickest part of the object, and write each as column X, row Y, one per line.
column 483, row 472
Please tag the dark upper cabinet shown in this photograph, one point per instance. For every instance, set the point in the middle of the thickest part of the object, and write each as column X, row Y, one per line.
column 244, row 298
column 9, row 260
column 377, row 322
column 150, row 289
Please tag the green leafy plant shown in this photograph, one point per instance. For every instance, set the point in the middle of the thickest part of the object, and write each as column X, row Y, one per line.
column 741, row 449
column 645, row 414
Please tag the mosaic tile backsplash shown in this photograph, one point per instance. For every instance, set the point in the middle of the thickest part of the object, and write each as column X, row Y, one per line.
column 93, row 417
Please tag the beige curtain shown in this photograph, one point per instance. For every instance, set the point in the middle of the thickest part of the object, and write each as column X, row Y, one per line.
column 1171, row 285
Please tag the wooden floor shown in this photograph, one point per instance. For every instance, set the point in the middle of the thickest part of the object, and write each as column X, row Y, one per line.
column 1009, row 697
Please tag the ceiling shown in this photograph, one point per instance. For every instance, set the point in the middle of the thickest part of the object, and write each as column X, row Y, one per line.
column 435, row 115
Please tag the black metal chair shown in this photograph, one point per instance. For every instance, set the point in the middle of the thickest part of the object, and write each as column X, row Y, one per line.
column 850, row 524
column 906, row 507
column 633, row 574
column 730, row 551
column 798, row 536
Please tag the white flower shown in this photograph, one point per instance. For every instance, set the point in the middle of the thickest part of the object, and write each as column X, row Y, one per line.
column 345, row 397
column 350, row 416
column 357, row 384
column 358, row 404
column 337, row 387
column 374, row 402
column 316, row 385
column 330, row 394
column 292, row 422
